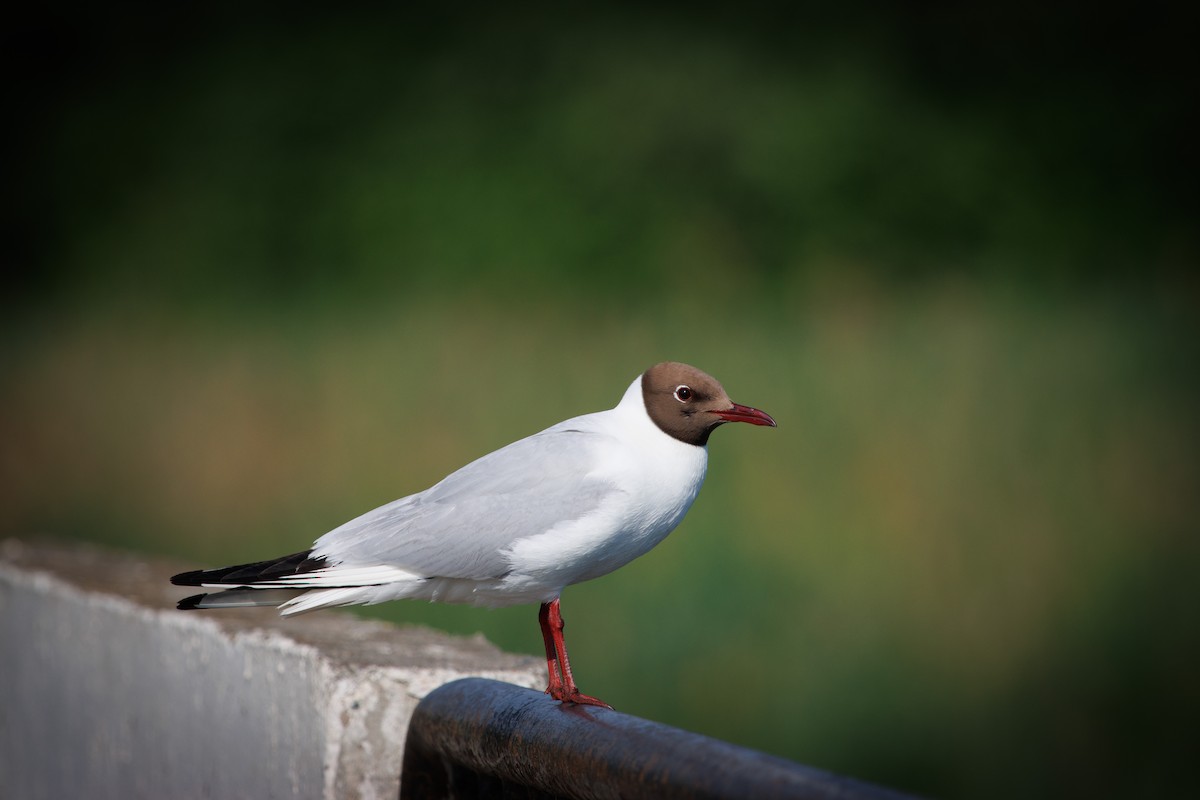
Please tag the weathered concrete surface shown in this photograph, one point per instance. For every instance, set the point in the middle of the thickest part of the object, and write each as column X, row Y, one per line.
column 107, row 691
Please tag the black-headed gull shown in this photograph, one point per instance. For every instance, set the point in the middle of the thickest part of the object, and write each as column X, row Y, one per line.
column 566, row 505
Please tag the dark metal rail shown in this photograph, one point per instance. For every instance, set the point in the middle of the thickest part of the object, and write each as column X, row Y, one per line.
column 481, row 738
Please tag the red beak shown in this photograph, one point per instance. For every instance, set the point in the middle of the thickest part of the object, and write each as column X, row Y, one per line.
column 740, row 413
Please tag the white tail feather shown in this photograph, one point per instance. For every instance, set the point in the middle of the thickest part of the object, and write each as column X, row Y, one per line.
column 329, row 578
column 325, row 598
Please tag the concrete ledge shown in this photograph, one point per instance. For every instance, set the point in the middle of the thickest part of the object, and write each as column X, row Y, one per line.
column 107, row 691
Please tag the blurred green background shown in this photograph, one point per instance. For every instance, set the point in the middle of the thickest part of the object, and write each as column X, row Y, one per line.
column 269, row 269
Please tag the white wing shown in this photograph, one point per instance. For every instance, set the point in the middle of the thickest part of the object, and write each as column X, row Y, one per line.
column 462, row 526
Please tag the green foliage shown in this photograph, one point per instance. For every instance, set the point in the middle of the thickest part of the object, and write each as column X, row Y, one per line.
column 335, row 159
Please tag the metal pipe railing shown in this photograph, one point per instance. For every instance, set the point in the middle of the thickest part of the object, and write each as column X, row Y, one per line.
column 482, row 738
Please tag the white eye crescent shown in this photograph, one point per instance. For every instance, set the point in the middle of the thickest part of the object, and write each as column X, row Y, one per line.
column 683, row 393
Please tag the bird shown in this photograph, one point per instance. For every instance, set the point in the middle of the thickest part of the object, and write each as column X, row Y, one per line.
column 517, row 526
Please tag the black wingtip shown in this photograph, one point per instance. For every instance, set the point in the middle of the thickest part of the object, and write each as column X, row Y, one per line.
column 187, row 578
column 190, row 603
column 248, row 574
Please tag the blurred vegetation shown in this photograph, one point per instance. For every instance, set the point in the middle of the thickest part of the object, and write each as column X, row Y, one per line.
column 265, row 274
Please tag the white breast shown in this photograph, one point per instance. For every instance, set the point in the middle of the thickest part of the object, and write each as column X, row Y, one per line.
column 658, row 477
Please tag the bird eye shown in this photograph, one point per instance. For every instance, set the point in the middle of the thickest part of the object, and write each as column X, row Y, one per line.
column 683, row 393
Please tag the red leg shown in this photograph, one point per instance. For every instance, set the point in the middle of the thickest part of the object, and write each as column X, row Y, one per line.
column 562, row 686
column 555, row 687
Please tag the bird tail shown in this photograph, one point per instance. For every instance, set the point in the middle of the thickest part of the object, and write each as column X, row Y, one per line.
column 297, row 583
column 239, row 582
